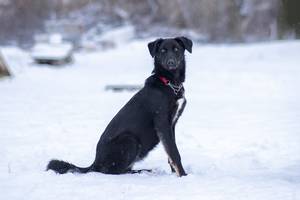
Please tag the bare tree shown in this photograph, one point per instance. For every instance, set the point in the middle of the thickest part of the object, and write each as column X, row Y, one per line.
column 20, row 18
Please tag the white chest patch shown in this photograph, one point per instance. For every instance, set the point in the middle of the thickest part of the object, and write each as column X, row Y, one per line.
column 180, row 103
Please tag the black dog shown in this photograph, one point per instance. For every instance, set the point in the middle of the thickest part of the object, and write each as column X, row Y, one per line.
column 148, row 118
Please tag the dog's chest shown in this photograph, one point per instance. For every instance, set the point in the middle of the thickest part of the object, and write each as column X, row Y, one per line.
column 178, row 109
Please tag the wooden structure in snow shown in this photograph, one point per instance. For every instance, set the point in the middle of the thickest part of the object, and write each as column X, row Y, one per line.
column 3, row 67
column 123, row 87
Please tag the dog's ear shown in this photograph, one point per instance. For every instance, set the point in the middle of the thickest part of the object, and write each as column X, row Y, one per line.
column 153, row 46
column 185, row 42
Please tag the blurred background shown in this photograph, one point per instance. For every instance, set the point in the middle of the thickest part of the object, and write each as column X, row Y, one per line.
column 81, row 21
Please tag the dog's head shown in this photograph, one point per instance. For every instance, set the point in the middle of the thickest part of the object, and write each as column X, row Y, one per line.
column 169, row 53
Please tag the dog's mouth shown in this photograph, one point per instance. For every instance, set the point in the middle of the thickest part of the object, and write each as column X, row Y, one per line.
column 171, row 67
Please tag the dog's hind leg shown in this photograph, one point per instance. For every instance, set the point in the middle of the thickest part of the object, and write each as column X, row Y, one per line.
column 118, row 156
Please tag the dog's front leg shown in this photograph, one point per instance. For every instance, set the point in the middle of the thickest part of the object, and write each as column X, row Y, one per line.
column 164, row 132
column 180, row 108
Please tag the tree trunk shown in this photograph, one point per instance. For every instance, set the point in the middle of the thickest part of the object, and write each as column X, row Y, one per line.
column 3, row 67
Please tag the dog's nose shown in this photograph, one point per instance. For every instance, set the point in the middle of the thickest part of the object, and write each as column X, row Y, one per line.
column 171, row 62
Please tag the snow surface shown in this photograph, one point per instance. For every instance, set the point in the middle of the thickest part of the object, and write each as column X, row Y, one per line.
column 239, row 136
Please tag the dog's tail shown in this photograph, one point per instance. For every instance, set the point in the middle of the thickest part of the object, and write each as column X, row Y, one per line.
column 63, row 167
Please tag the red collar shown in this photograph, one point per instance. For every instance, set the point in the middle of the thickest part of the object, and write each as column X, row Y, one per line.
column 164, row 80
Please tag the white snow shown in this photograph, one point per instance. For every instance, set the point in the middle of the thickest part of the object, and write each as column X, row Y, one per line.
column 239, row 136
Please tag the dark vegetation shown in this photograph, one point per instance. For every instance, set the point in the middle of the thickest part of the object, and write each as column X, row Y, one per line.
column 204, row 20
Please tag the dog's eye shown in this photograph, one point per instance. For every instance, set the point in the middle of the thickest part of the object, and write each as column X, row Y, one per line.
column 163, row 50
column 175, row 49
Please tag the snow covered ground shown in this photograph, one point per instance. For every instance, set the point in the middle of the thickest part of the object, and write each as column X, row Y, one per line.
column 239, row 136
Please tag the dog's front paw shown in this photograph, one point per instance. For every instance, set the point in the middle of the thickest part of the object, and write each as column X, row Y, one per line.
column 182, row 173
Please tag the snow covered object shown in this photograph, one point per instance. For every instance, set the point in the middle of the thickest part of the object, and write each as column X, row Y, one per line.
column 52, row 52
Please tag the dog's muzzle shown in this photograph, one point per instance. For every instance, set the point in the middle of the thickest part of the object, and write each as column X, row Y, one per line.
column 171, row 64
